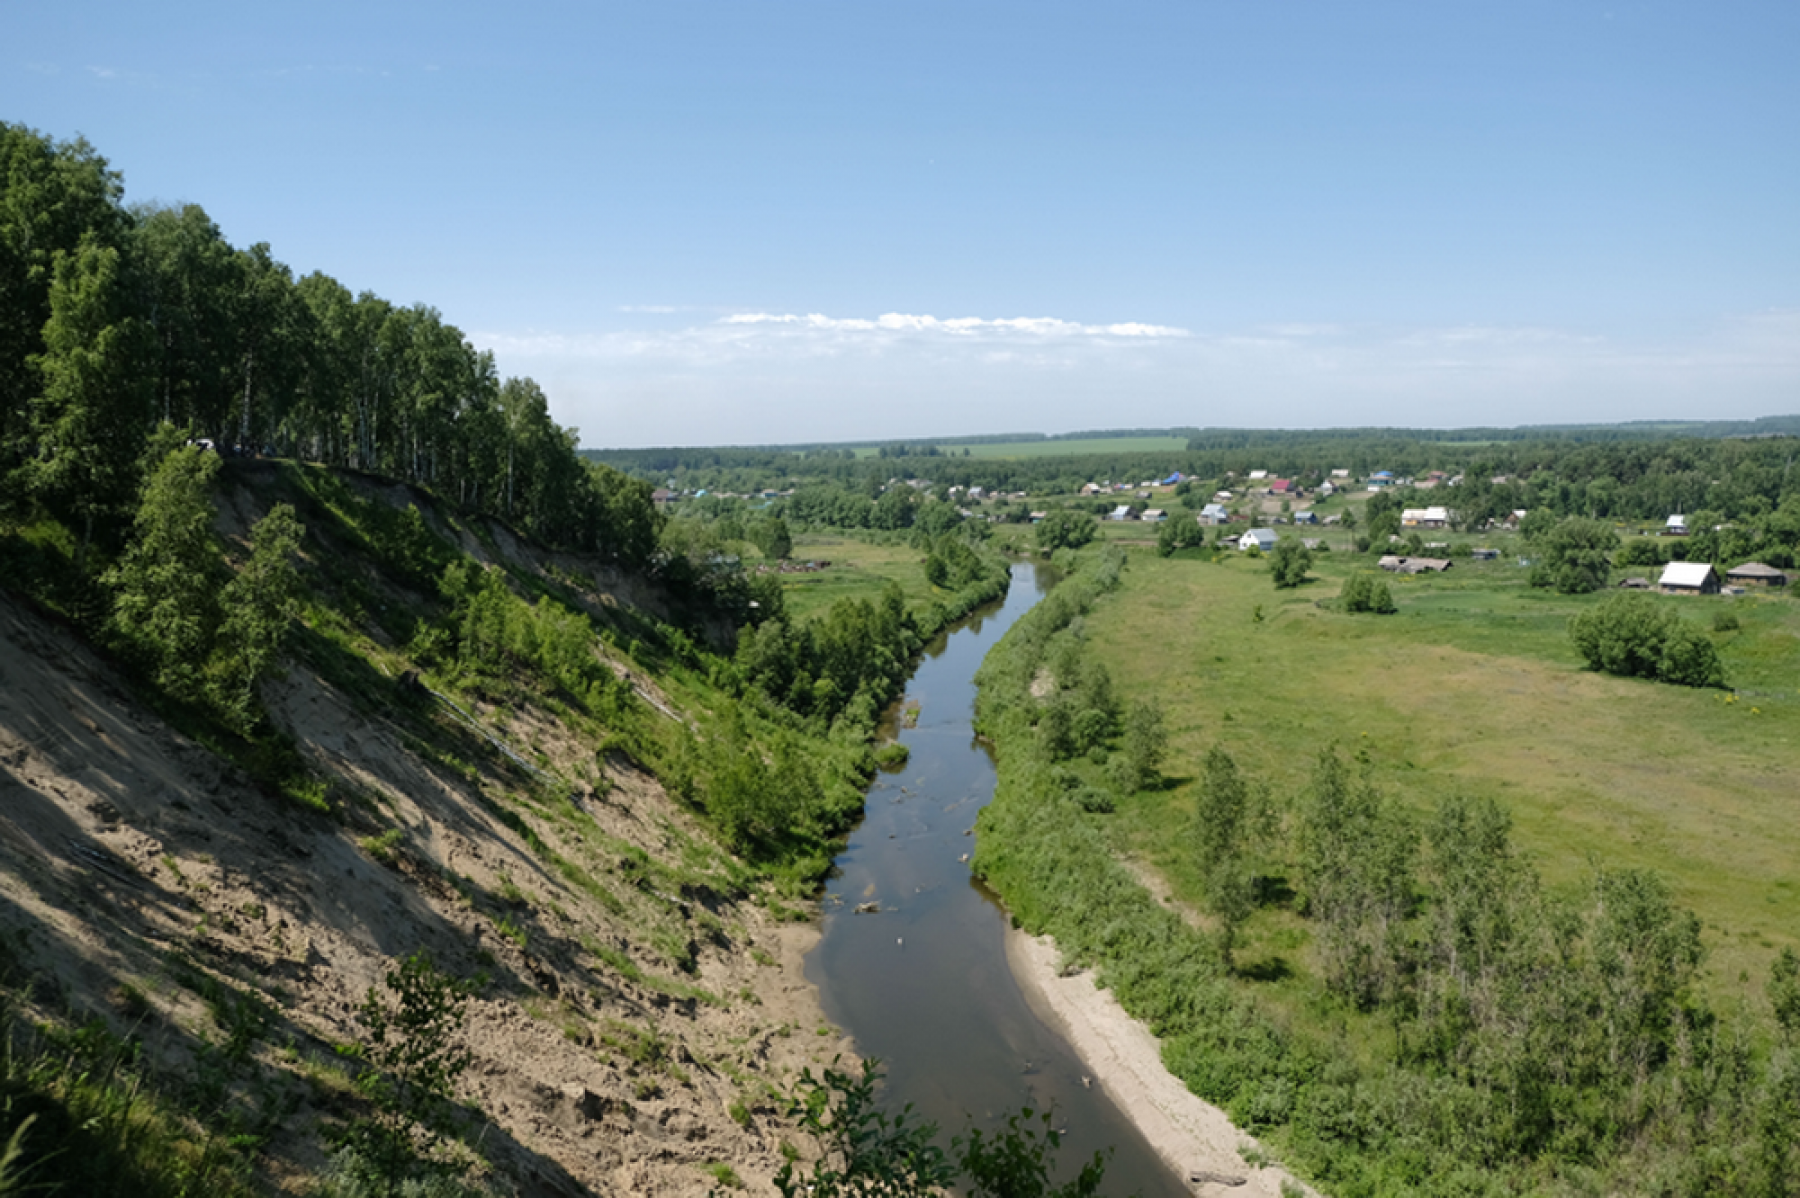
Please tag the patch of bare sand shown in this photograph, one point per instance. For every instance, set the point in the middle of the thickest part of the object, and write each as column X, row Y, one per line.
column 137, row 870
column 1192, row 1136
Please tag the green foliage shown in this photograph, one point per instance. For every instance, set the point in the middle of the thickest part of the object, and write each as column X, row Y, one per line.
column 866, row 1153
column 81, row 1113
column 1635, row 636
column 1784, row 993
column 1289, row 562
column 1179, row 532
column 413, row 1059
column 1575, row 556
column 87, row 421
column 1224, row 824
column 167, row 585
column 1366, row 593
column 1146, row 740
column 259, row 604
column 1064, row 529
column 1356, row 854
column 1640, row 551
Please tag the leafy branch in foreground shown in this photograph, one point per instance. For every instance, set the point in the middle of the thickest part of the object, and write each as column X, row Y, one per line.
column 413, row 1062
column 868, row 1154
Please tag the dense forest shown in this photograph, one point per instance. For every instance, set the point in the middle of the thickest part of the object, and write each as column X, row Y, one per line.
column 115, row 319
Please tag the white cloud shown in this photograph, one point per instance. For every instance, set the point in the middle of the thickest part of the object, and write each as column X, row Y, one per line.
column 759, row 377
column 961, row 326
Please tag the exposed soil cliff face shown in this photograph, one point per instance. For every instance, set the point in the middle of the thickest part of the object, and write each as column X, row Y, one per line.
column 641, row 1007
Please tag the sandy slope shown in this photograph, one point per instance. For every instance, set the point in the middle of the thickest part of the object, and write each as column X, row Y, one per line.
column 134, row 864
column 1126, row 1061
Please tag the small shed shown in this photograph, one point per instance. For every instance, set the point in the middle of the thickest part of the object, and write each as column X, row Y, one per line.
column 1756, row 574
column 1394, row 563
column 1675, row 526
column 1154, row 515
column 1688, row 578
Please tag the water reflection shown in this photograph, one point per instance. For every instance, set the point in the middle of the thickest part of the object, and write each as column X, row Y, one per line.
column 924, row 984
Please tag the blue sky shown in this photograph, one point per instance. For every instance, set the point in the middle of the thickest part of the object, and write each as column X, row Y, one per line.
column 741, row 222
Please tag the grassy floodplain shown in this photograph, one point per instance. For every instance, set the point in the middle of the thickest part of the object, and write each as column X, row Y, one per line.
column 1473, row 687
column 861, row 566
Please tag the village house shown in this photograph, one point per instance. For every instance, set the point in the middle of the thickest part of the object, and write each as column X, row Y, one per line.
column 1258, row 538
column 1756, row 574
column 1214, row 513
column 1122, row 512
column 1675, row 526
column 1688, row 578
column 1425, row 517
column 1154, row 515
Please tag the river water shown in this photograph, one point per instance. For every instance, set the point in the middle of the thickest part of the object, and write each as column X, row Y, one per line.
column 924, row 985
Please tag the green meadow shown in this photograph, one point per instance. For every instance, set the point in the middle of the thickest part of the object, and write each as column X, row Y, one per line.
column 1474, row 688
column 1060, row 448
column 1077, row 446
column 860, row 568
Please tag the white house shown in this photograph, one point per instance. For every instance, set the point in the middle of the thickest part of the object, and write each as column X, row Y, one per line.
column 1425, row 517
column 1676, row 526
column 1258, row 538
column 1688, row 578
column 1153, row 515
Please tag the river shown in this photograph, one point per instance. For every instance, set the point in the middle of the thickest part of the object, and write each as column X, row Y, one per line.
column 924, row 985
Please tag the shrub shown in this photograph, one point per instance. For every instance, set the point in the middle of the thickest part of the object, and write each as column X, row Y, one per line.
column 1635, row 637
column 1575, row 557
column 1289, row 563
column 1363, row 593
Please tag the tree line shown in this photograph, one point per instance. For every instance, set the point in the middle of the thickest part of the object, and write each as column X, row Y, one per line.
column 115, row 319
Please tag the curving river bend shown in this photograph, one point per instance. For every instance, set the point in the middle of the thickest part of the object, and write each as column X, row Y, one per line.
column 924, row 985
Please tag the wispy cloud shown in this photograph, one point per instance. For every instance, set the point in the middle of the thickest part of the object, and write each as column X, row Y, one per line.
column 757, row 377
column 962, row 326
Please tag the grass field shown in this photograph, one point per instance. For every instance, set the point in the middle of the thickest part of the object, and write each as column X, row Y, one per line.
column 859, row 569
column 1074, row 447
column 1474, row 688
column 1058, row 449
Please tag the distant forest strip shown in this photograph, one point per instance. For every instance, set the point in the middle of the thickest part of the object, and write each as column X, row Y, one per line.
column 115, row 319
column 1229, row 438
column 1736, row 471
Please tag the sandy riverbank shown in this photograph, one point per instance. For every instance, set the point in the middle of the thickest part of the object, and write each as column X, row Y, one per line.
column 1125, row 1060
